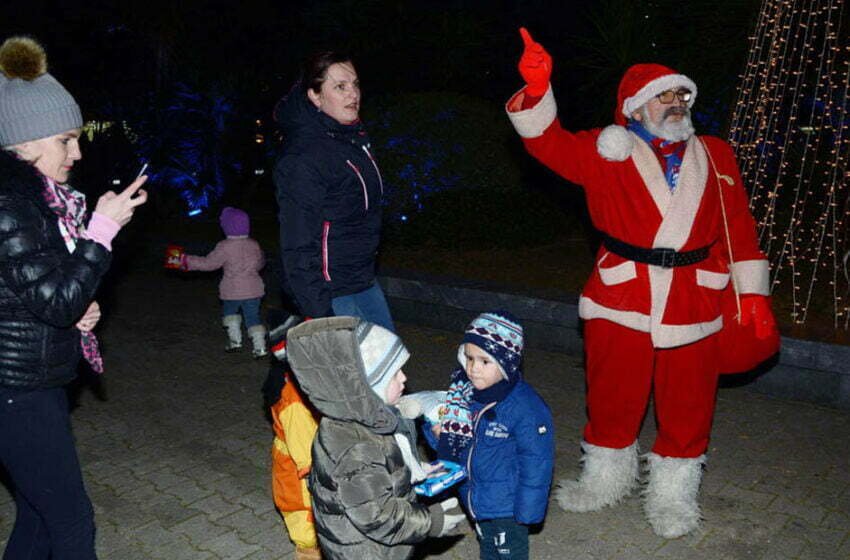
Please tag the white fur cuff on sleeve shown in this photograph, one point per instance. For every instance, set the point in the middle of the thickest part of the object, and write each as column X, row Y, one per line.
column 530, row 123
column 752, row 277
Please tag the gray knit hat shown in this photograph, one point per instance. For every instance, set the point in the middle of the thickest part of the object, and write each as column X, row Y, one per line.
column 33, row 104
column 383, row 355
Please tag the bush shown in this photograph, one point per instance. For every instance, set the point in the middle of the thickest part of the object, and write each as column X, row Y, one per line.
column 482, row 218
column 431, row 143
column 453, row 175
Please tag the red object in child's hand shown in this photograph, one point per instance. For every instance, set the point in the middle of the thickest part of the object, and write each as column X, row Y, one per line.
column 175, row 257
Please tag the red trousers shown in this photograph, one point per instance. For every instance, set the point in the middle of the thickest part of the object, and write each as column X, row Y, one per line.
column 623, row 368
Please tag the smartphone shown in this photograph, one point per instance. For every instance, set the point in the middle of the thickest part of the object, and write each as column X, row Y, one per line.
column 141, row 171
column 118, row 182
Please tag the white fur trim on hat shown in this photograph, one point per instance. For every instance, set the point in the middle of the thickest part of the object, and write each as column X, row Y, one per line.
column 656, row 86
column 615, row 143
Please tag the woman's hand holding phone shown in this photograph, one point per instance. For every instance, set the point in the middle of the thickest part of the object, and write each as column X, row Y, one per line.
column 120, row 207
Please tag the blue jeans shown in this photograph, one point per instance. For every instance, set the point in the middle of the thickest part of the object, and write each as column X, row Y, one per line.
column 370, row 304
column 250, row 309
column 55, row 518
column 502, row 538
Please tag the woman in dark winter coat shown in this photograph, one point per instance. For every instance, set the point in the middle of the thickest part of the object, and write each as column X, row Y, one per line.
column 365, row 453
column 329, row 191
column 51, row 261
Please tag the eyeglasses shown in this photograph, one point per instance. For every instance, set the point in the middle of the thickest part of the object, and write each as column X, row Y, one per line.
column 669, row 95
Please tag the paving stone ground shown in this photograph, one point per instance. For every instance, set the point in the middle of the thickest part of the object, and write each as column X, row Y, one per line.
column 175, row 450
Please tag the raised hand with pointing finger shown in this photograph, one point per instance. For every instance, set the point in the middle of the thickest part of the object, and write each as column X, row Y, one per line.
column 535, row 65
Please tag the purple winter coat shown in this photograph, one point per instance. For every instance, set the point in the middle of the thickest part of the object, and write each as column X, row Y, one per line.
column 241, row 259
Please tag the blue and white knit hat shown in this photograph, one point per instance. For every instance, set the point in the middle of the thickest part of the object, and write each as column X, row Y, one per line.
column 499, row 334
column 383, row 354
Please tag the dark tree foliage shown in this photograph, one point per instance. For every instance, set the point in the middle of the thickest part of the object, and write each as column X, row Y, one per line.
column 170, row 70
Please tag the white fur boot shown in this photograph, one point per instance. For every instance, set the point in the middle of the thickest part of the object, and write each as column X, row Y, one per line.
column 670, row 498
column 258, row 339
column 608, row 476
column 233, row 326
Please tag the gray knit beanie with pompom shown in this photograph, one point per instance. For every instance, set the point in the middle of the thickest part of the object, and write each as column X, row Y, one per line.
column 33, row 104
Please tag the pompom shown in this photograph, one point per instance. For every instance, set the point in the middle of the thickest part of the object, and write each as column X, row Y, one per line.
column 615, row 143
column 22, row 57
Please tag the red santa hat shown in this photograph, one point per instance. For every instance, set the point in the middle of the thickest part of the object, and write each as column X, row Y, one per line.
column 640, row 83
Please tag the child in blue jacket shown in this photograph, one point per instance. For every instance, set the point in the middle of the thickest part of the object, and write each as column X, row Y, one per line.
column 495, row 424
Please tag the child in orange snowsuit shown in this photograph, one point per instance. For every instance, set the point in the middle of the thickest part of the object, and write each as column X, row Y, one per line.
column 295, row 424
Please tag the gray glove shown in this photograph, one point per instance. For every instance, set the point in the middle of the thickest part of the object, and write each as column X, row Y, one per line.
column 445, row 516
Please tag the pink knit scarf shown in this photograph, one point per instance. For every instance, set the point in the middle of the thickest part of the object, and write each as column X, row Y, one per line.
column 69, row 206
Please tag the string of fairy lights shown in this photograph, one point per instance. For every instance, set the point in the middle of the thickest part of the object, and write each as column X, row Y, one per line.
column 790, row 132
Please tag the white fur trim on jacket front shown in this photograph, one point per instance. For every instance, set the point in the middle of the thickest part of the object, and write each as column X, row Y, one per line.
column 531, row 123
column 615, row 143
column 712, row 280
column 663, row 336
column 678, row 211
column 752, row 277
column 613, row 275
column 656, row 86
column 589, row 309
column 671, row 336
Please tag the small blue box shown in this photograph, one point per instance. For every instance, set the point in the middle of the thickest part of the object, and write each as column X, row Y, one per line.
column 450, row 474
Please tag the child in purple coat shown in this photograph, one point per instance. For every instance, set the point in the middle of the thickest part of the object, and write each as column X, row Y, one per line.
column 241, row 287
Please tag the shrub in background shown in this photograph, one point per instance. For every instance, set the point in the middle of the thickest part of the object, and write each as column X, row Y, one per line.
column 452, row 170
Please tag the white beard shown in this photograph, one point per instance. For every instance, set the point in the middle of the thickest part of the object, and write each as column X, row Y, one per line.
column 672, row 131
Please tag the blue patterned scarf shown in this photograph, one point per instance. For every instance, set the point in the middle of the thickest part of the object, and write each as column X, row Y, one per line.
column 669, row 153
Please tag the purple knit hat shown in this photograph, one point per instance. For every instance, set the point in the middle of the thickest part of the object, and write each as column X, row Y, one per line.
column 234, row 222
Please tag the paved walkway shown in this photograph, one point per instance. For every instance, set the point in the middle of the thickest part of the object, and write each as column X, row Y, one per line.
column 175, row 449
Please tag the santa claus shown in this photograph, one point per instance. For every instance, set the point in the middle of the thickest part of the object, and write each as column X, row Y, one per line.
column 676, row 227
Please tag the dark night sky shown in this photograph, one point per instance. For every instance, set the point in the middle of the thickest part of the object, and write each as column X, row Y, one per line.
column 109, row 52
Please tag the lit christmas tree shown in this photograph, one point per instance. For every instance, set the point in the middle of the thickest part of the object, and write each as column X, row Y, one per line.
column 790, row 131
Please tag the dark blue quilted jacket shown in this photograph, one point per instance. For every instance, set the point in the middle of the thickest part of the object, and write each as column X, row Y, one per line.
column 510, row 459
column 329, row 192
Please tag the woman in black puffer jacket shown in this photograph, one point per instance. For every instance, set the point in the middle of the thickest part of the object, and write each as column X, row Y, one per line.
column 329, row 190
column 51, row 262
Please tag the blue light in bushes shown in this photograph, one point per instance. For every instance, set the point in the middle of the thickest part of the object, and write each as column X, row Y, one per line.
column 419, row 177
column 192, row 158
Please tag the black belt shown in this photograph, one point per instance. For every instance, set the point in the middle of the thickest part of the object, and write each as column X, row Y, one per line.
column 666, row 258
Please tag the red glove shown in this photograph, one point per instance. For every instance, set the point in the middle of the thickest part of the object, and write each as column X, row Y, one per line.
column 756, row 308
column 535, row 65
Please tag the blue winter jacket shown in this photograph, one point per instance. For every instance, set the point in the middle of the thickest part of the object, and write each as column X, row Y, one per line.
column 329, row 192
column 510, row 459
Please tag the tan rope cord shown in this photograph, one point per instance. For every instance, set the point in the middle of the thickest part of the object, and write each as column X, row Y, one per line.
column 729, row 181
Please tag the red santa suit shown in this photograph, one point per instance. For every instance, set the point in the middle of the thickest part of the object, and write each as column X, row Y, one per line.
column 651, row 328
